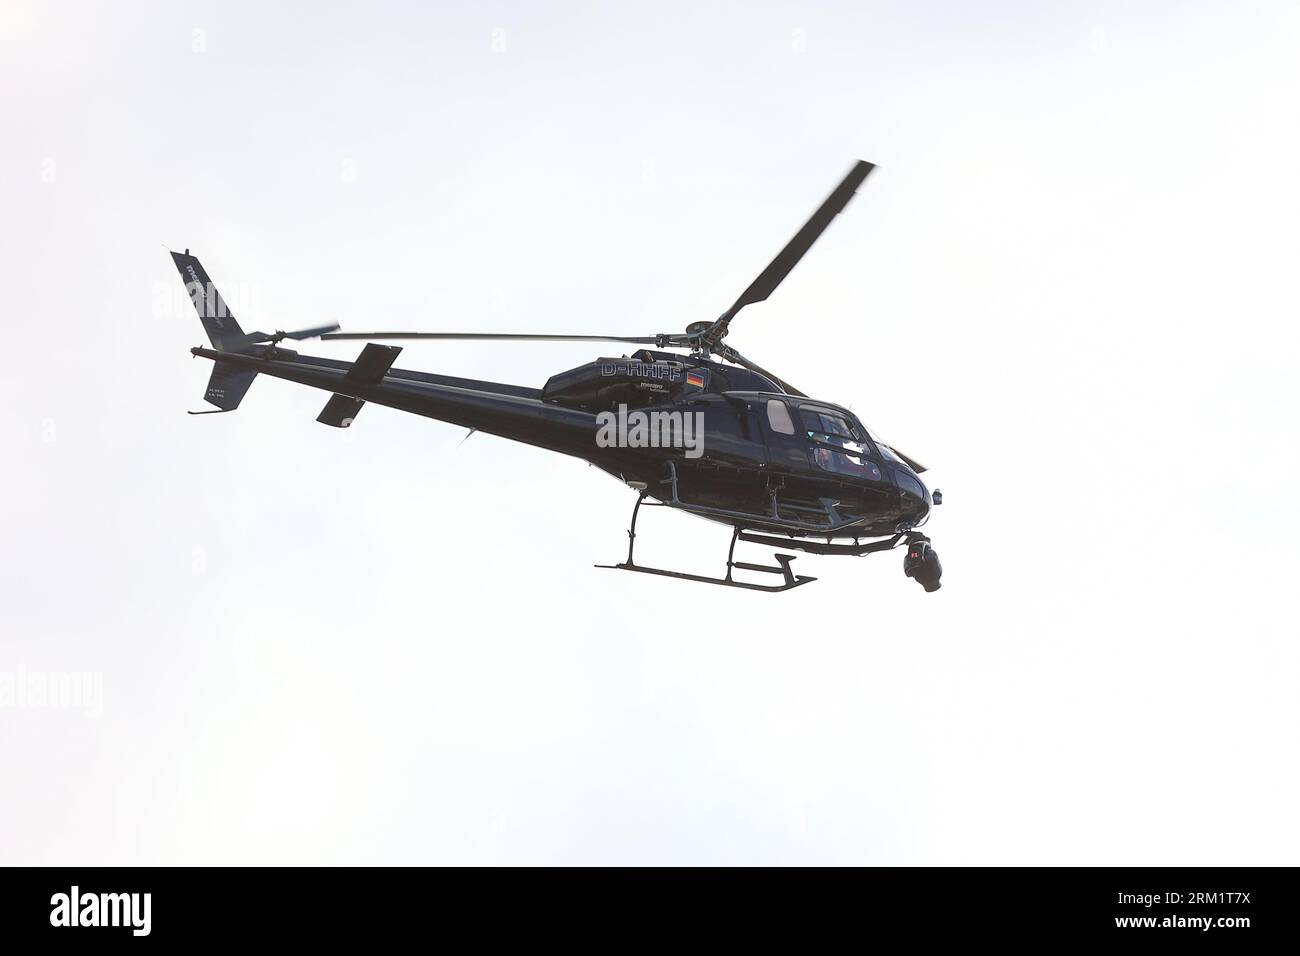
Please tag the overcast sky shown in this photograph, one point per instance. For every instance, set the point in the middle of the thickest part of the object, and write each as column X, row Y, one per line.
column 1069, row 288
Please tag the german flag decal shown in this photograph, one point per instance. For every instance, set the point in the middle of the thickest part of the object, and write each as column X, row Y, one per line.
column 695, row 379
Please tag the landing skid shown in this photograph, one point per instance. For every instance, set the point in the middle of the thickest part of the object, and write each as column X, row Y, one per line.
column 790, row 579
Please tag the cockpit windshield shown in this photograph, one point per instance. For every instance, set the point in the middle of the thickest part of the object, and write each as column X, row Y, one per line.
column 885, row 450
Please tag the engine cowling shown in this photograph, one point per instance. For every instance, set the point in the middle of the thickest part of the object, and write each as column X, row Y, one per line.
column 608, row 382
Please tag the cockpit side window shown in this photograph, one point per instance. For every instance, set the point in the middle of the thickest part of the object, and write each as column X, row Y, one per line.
column 849, row 455
column 825, row 422
column 778, row 417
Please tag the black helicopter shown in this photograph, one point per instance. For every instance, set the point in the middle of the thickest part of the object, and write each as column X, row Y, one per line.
column 733, row 443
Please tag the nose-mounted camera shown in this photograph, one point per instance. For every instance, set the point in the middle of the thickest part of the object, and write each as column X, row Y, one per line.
column 922, row 563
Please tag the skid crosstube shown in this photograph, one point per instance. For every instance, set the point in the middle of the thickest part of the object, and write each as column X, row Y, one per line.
column 789, row 578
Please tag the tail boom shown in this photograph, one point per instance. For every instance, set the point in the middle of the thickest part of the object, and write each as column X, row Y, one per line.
column 509, row 411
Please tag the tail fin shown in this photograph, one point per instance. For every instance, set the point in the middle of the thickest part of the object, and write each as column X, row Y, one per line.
column 213, row 313
column 228, row 384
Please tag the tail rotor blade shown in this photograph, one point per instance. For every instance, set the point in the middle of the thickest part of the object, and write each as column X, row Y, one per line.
column 311, row 333
column 238, row 341
column 253, row 338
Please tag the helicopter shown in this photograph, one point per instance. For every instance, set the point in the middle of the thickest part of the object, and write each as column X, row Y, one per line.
column 702, row 430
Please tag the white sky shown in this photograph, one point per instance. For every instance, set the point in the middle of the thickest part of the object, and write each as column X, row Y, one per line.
column 1069, row 288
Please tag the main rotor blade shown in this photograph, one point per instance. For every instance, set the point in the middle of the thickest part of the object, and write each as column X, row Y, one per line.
column 731, row 355
column 504, row 337
column 794, row 250
column 908, row 460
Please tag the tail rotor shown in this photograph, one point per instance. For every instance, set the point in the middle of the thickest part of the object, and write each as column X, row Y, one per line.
column 273, row 338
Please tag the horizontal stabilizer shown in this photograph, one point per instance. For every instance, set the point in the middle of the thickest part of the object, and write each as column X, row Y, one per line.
column 339, row 411
column 369, row 369
column 373, row 364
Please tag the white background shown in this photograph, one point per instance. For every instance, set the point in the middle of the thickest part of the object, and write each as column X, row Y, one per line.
column 1069, row 288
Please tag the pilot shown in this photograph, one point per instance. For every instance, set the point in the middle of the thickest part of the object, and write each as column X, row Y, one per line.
column 824, row 457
